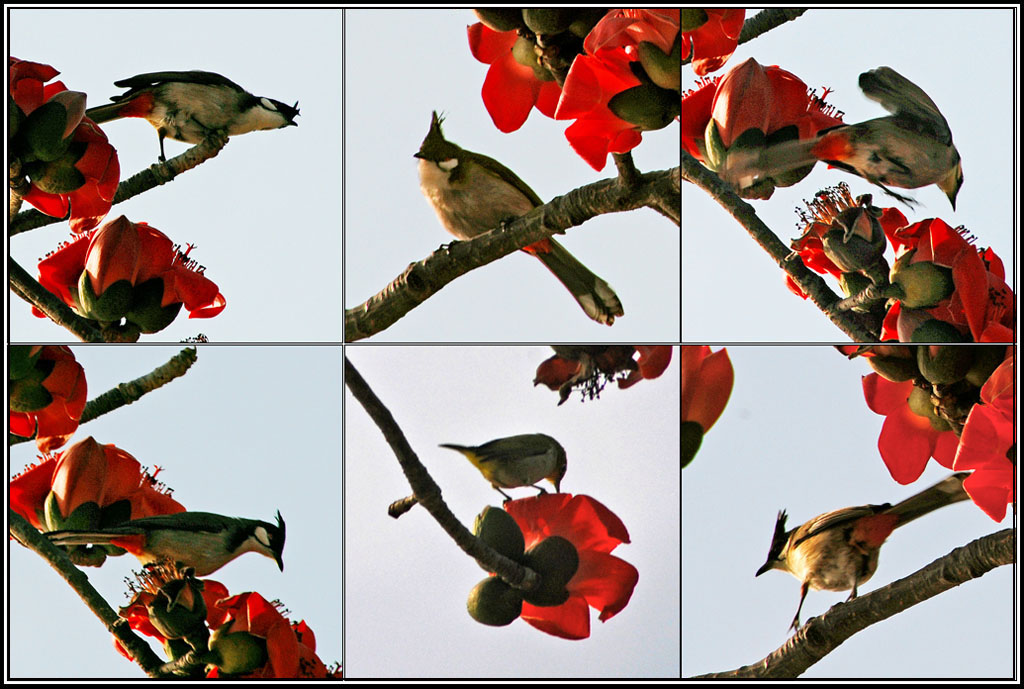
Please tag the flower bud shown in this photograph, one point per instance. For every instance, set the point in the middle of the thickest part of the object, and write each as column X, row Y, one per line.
column 924, row 284
column 555, row 559
column 647, row 106
column 495, row 603
column 178, row 610
column 944, row 364
column 498, row 529
column 237, row 653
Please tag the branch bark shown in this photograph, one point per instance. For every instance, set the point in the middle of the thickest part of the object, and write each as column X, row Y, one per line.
column 859, row 327
column 428, row 493
column 660, row 191
column 821, row 635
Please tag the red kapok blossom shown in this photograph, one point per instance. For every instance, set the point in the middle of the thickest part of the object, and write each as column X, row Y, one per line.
column 137, row 613
column 907, row 439
column 602, row 580
column 511, row 89
column 71, row 165
column 290, row 648
column 707, row 380
column 713, row 42
column 987, row 444
column 651, row 363
column 621, row 28
column 88, row 472
column 589, row 367
column 981, row 303
column 129, row 271
column 51, row 371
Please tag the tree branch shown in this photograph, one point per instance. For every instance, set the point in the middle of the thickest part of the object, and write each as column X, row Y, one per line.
column 421, row 280
column 859, row 327
column 26, row 287
column 428, row 493
column 766, row 20
column 821, row 635
column 154, row 176
column 126, row 393
column 140, row 651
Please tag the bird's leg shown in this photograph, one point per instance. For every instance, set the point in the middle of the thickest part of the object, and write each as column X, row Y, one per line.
column 796, row 618
column 507, row 496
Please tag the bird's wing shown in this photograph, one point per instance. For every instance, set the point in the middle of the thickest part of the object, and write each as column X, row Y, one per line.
column 507, row 174
column 831, row 520
column 191, row 77
column 903, row 98
column 515, row 447
column 184, row 521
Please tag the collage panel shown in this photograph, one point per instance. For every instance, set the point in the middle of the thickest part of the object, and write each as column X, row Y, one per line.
column 814, row 462
column 417, row 606
column 507, row 156
column 252, row 228
column 224, row 459
column 831, row 117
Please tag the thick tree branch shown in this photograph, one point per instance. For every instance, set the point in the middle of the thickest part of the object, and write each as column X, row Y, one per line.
column 140, row 651
column 428, row 493
column 154, row 176
column 821, row 635
column 859, row 327
column 126, row 393
column 657, row 190
column 766, row 20
column 26, row 287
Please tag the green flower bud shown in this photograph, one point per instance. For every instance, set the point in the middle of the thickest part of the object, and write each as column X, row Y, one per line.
column 934, row 330
column 986, row 360
column 43, row 132
column 495, row 603
column 501, row 19
column 236, row 653
column 647, row 106
column 855, row 240
column 146, row 311
column 691, row 435
column 920, row 402
column 178, row 610
column 692, row 19
column 111, row 306
column 924, row 284
column 59, row 176
column 664, row 70
column 555, row 559
column 498, row 529
column 944, row 364
column 548, row 20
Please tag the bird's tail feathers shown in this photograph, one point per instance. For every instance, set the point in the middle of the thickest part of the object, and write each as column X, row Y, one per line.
column 593, row 294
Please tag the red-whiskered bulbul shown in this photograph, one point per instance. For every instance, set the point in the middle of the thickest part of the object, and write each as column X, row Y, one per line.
column 473, row 194
column 190, row 106
column 911, row 148
column 201, row 540
column 838, row 550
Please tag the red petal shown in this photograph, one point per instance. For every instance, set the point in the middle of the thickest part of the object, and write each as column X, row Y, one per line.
column 509, row 93
column 570, row 620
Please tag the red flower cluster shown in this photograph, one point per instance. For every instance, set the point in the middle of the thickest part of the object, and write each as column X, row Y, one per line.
column 71, row 166
column 586, row 367
column 93, row 477
column 602, row 580
column 710, row 36
column 511, row 88
column 627, row 82
column 749, row 109
column 47, row 394
column 946, row 279
column 128, row 271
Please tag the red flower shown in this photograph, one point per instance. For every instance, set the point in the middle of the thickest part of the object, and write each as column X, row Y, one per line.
column 511, row 89
column 588, row 367
column 706, row 384
column 602, row 581
column 290, row 649
column 129, row 271
column 52, row 373
column 979, row 301
column 908, row 438
column 748, row 110
column 629, row 28
column 71, row 165
column 85, row 473
column 713, row 42
column 137, row 612
column 987, row 444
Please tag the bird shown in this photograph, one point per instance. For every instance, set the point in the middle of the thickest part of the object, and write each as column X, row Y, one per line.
column 911, row 148
column 513, row 462
column 838, row 550
column 517, row 461
column 194, row 105
column 473, row 194
column 201, row 540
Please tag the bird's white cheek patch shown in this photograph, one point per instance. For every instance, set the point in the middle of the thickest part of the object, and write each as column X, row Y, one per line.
column 448, row 165
column 268, row 105
column 262, row 536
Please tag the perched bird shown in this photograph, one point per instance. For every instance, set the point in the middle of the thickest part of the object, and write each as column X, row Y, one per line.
column 911, row 148
column 473, row 194
column 201, row 540
column 838, row 550
column 516, row 461
column 191, row 106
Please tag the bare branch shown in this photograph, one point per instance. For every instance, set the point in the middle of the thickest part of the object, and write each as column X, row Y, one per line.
column 821, row 635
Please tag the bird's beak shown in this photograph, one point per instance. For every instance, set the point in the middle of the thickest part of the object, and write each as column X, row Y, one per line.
column 764, row 568
column 279, row 560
